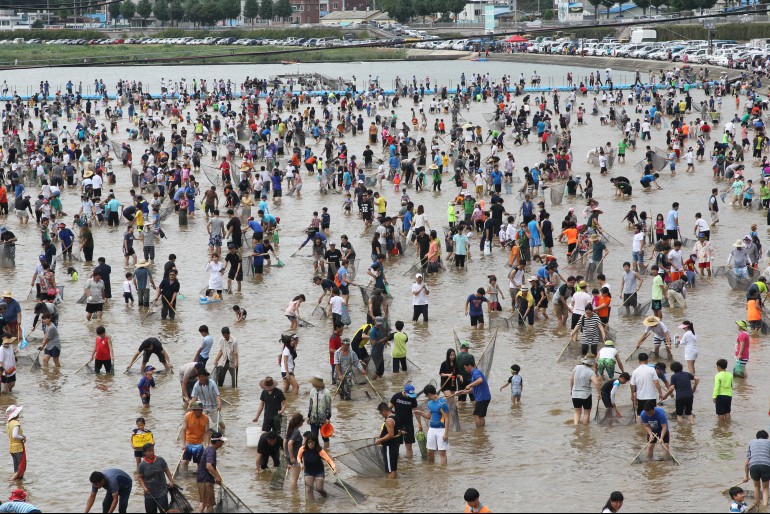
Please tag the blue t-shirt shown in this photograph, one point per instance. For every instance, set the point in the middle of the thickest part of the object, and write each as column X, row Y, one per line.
column 407, row 220
column 461, row 244
column 532, row 226
column 115, row 481
column 437, row 410
column 497, row 177
column 66, row 235
column 648, row 178
column 264, row 207
column 206, row 345
column 475, row 304
column 269, row 218
column 543, row 273
column 276, row 182
column 259, row 249
column 145, row 384
column 209, row 457
column 656, row 421
column 481, row 392
column 256, row 226
column 671, row 220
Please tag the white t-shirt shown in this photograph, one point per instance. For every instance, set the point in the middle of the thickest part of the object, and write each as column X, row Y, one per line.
column 701, row 225
column 608, row 352
column 289, row 363
column 579, row 302
column 636, row 246
column 644, row 378
column 421, row 298
column 336, row 302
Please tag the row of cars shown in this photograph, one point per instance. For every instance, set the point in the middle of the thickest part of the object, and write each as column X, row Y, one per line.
column 719, row 53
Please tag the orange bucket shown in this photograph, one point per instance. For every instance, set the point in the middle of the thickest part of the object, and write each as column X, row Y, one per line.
column 327, row 430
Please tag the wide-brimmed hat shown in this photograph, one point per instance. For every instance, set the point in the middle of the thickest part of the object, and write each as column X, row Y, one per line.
column 433, row 167
column 582, row 284
column 88, row 174
column 742, row 324
column 524, row 287
column 13, row 411
column 533, row 278
column 609, row 342
column 317, row 381
column 588, row 360
column 594, row 238
column 651, row 321
column 738, row 244
column 268, row 384
column 142, row 264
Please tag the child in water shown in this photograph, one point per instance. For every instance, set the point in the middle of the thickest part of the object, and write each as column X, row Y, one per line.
column 139, row 437
column 517, row 384
column 145, row 384
column 240, row 314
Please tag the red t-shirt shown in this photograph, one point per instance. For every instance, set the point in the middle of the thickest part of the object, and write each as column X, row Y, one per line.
column 335, row 343
column 743, row 336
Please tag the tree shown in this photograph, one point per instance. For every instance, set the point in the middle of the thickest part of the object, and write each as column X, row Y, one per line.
column 39, row 24
column 455, row 7
column 596, row 4
column 176, row 11
column 232, row 10
column 114, row 10
column 548, row 14
column 64, row 13
column 399, row 10
column 250, row 10
column 161, row 11
column 210, row 12
column 608, row 4
column 127, row 10
column 266, row 10
column 283, row 9
column 656, row 4
column 643, row 5
column 144, row 10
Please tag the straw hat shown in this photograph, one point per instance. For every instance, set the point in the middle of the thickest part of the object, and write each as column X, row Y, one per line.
column 524, row 288
column 594, row 238
column 268, row 384
column 433, row 167
column 88, row 174
column 317, row 381
column 588, row 360
column 13, row 412
column 142, row 264
column 582, row 284
column 7, row 294
column 738, row 244
column 651, row 321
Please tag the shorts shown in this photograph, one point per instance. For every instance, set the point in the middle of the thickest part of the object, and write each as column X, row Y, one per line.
column 436, row 439
column 630, row 300
column 232, row 275
column 390, row 455
column 480, row 409
column 145, row 399
column 215, row 240
column 138, row 454
column 476, row 320
column 704, row 265
column 534, row 242
column 193, row 452
column 129, row 252
column 684, row 406
column 723, row 405
column 53, row 352
column 657, row 305
column 637, row 257
column 760, row 472
column 409, row 435
column 344, row 289
column 642, row 405
column 91, row 308
column 652, row 440
column 559, row 309
column 8, row 380
column 277, row 193
column 583, row 403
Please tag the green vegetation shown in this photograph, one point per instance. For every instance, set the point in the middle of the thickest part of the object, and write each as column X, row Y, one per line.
column 54, row 55
column 253, row 33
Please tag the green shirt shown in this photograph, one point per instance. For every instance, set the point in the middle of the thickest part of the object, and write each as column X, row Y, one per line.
column 764, row 192
column 723, row 384
column 622, row 147
column 657, row 288
column 399, row 345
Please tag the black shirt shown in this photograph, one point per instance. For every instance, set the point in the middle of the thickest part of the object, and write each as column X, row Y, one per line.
column 167, row 289
column 497, row 211
column 272, row 401
column 170, row 265
column 151, row 344
column 265, row 448
column 424, row 241
column 403, row 407
column 104, row 271
column 234, row 260
column 237, row 234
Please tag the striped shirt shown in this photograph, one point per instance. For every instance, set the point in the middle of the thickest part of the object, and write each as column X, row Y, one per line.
column 18, row 507
column 758, row 452
column 590, row 328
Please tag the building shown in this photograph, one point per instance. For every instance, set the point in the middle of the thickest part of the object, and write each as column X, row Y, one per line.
column 569, row 11
column 344, row 18
column 305, row 11
column 475, row 9
column 330, row 6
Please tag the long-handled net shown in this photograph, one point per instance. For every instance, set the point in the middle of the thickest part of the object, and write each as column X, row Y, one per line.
column 228, row 501
column 212, row 174
column 610, row 333
column 557, row 193
column 485, row 362
column 364, row 457
column 345, row 488
column 498, row 322
column 453, row 418
column 737, row 283
column 608, row 417
column 570, row 352
column 641, row 310
column 178, row 501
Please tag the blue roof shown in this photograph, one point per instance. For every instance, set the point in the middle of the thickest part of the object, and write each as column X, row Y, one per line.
column 615, row 9
column 500, row 11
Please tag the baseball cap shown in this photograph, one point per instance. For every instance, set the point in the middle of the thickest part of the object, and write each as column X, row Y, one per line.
column 465, row 344
column 419, row 275
column 410, row 392
column 149, row 368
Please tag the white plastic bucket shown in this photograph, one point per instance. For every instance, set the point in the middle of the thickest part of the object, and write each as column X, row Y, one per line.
column 252, row 436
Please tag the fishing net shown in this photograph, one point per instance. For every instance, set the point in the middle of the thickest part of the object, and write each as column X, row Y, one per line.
column 720, row 270
column 570, row 352
column 347, row 489
column 228, row 501
column 485, row 362
column 453, row 418
column 7, row 256
column 416, row 267
column 641, row 310
column 608, row 417
column 610, row 333
column 370, row 181
column 178, row 501
column 364, row 458
column 498, row 322
column 279, row 473
column 737, row 283
column 687, row 242
column 214, row 175
column 320, row 311
column 557, row 193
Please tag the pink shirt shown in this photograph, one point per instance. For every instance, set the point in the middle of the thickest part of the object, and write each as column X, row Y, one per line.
column 744, row 338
